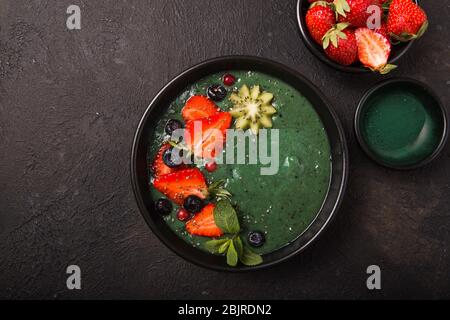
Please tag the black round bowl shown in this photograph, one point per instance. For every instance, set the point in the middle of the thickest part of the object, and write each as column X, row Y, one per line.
column 432, row 102
column 142, row 141
column 397, row 52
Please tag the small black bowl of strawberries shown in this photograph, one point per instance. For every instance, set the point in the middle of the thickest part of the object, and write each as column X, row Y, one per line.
column 360, row 36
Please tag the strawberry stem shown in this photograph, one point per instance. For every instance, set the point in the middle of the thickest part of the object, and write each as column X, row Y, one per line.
column 341, row 7
column 319, row 3
column 333, row 34
column 405, row 37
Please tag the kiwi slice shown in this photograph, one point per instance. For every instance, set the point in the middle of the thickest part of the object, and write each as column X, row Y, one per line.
column 252, row 108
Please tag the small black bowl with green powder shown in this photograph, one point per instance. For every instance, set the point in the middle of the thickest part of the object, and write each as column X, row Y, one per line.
column 401, row 124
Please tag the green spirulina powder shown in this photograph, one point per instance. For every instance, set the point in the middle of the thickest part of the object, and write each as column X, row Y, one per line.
column 401, row 125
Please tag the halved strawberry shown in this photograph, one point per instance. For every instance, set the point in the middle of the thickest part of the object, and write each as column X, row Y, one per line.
column 198, row 107
column 177, row 186
column 373, row 50
column 203, row 223
column 158, row 166
column 210, row 137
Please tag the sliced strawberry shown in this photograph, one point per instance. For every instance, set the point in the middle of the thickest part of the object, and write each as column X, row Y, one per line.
column 373, row 50
column 158, row 166
column 178, row 185
column 198, row 107
column 203, row 223
column 211, row 135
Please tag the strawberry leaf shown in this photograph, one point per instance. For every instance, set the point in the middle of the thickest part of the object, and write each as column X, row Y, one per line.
column 342, row 25
column 342, row 35
column 342, row 7
column 319, row 3
column 422, row 29
column 387, row 68
column 326, row 42
column 386, row 5
column 333, row 39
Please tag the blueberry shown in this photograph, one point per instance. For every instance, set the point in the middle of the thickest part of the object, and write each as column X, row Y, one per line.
column 172, row 125
column 256, row 238
column 163, row 206
column 193, row 204
column 217, row 92
column 172, row 157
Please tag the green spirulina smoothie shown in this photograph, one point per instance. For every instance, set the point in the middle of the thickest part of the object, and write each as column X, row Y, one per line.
column 281, row 205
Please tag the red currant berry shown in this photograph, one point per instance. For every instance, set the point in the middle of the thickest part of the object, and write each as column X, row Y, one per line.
column 183, row 215
column 229, row 79
column 211, row 166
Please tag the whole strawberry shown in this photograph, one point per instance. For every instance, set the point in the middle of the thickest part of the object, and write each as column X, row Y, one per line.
column 319, row 19
column 406, row 20
column 340, row 45
column 355, row 12
column 383, row 30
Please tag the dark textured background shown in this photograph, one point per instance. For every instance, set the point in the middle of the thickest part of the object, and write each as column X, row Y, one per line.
column 71, row 100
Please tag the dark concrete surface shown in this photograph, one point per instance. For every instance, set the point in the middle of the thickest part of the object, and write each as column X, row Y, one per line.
column 71, row 100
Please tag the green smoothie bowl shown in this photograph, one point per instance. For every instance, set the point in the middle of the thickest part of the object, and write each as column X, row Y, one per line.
column 401, row 124
column 239, row 163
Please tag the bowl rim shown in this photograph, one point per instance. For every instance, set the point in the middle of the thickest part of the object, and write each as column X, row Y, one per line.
column 340, row 192
column 311, row 45
column 366, row 148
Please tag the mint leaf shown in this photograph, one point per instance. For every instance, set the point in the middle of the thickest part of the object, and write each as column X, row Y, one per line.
column 250, row 258
column 214, row 246
column 232, row 255
column 226, row 218
column 238, row 246
column 224, row 247
column 217, row 190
